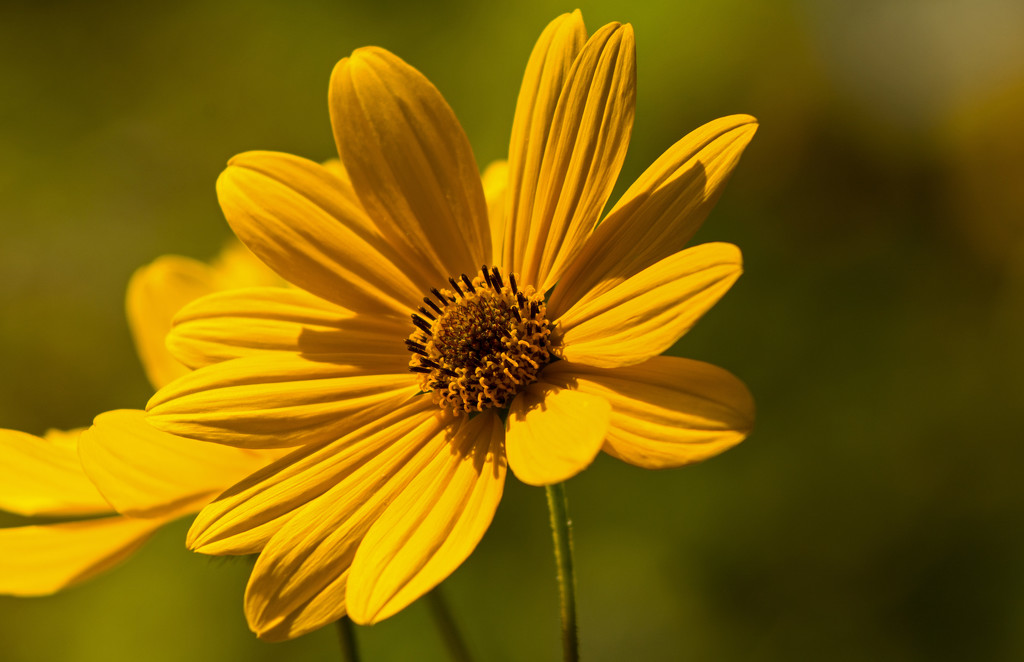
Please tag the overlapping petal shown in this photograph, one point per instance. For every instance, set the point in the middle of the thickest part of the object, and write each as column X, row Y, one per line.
column 299, row 582
column 659, row 213
column 554, row 433
column 239, row 323
column 644, row 315
column 667, row 411
column 495, row 183
column 41, row 477
column 247, row 515
column 432, row 525
column 336, row 252
column 40, row 560
column 280, row 400
column 546, row 71
column 586, row 145
column 155, row 293
column 144, row 472
column 410, row 163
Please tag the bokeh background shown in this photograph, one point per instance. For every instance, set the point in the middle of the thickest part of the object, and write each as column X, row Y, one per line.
column 875, row 513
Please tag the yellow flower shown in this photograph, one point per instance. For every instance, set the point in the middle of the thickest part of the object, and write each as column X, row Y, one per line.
column 130, row 478
column 409, row 374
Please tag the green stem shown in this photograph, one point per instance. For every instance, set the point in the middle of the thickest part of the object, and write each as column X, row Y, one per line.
column 347, row 637
column 446, row 624
column 561, row 530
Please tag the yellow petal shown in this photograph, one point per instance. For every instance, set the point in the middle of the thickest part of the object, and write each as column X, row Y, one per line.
column 644, row 315
column 279, row 400
column 244, row 517
column 238, row 323
column 432, row 526
column 337, row 168
column 410, row 162
column 299, row 582
column 546, row 71
column 66, row 439
column 659, row 213
column 41, row 477
column 666, row 412
column 144, row 472
column 292, row 214
column 41, row 560
column 586, row 146
column 236, row 267
column 495, row 181
column 155, row 293
column 554, row 433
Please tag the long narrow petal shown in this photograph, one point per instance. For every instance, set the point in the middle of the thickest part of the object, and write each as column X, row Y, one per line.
column 299, row 582
column 495, row 182
column 666, row 412
column 155, row 293
column 586, row 147
column 280, row 400
column 659, row 213
column 432, row 526
column 410, row 162
column 144, row 472
column 238, row 323
column 41, row 560
column 546, row 71
column 40, row 477
column 244, row 518
column 554, row 433
column 644, row 315
column 293, row 214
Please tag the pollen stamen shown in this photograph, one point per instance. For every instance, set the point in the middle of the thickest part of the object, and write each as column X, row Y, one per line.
column 487, row 341
column 440, row 297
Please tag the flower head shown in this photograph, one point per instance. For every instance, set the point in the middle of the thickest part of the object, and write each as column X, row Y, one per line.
column 442, row 329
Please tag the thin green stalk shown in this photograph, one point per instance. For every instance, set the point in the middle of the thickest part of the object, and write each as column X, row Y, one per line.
column 347, row 638
column 446, row 624
column 561, row 530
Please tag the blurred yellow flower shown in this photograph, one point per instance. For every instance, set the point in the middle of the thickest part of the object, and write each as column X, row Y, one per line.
column 127, row 477
column 408, row 374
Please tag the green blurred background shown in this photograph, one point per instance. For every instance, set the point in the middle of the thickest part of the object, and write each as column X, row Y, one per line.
column 875, row 513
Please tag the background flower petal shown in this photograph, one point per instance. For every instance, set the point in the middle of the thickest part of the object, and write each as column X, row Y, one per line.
column 411, row 163
column 40, row 560
column 495, row 183
column 659, row 213
column 667, row 411
column 554, row 433
column 155, row 293
column 644, row 315
column 144, row 472
column 41, row 477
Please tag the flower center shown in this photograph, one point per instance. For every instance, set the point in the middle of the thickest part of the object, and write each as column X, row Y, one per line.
column 481, row 342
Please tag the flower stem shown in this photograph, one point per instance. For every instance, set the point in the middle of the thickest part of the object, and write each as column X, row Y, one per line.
column 446, row 624
column 347, row 637
column 561, row 530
